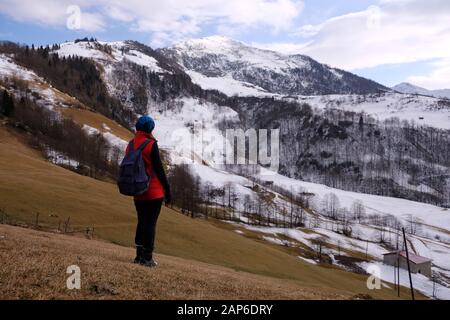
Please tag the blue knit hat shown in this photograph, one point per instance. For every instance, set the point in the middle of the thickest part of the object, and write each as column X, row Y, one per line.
column 145, row 124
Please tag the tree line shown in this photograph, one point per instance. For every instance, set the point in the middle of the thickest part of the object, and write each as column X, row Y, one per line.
column 77, row 76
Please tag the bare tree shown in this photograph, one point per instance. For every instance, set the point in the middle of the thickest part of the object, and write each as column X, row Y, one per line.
column 358, row 210
column 331, row 206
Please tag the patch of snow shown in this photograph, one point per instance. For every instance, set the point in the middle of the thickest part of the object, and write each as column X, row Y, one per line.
column 8, row 68
column 60, row 159
column 142, row 59
column 113, row 140
column 307, row 260
column 276, row 241
column 227, row 85
column 85, row 49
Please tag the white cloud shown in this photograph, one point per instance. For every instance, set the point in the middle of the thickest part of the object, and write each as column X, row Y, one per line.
column 398, row 31
column 51, row 12
column 168, row 20
column 394, row 32
column 438, row 78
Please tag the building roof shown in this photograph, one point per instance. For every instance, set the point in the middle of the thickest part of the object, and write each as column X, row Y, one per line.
column 414, row 258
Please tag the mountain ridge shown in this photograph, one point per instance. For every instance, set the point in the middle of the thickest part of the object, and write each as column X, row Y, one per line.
column 406, row 87
column 271, row 72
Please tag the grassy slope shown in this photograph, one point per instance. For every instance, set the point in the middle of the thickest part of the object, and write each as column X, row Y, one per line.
column 38, row 261
column 96, row 120
column 29, row 184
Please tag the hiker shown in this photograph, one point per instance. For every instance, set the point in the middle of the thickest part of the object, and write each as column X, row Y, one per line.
column 148, row 201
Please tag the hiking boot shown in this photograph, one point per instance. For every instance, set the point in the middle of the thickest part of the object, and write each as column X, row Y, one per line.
column 149, row 263
column 139, row 254
column 147, row 259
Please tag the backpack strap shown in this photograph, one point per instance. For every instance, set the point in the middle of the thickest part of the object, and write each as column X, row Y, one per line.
column 131, row 145
column 143, row 145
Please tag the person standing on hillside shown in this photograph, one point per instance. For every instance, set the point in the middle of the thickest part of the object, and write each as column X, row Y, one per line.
column 148, row 204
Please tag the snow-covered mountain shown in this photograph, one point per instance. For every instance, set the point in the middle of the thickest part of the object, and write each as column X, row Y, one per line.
column 406, row 87
column 233, row 67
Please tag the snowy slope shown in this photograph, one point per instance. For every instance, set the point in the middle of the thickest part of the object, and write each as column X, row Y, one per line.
column 120, row 51
column 44, row 94
column 235, row 51
column 8, row 68
column 219, row 59
column 424, row 110
column 400, row 208
column 227, row 85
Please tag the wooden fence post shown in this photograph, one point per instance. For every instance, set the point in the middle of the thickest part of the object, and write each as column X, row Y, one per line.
column 36, row 223
column 66, row 225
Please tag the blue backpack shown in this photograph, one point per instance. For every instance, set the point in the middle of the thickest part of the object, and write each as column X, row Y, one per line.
column 133, row 179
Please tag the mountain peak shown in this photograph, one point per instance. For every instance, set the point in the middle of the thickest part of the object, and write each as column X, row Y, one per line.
column 409, row 88
column 230, row 63
column 407, row 85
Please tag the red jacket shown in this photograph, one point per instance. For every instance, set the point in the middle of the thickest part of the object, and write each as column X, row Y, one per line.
column 155, row 188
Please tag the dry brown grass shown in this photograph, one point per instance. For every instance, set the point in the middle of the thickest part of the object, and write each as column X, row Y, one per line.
column 33, row 266
column 96, row 120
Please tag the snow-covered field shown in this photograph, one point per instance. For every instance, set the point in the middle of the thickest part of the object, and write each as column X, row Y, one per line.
column 400, row 208
column 420, row 109
column 89, row 49
column 228, row 85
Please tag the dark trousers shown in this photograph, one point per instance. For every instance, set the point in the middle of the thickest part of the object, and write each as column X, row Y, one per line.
column 147, row 212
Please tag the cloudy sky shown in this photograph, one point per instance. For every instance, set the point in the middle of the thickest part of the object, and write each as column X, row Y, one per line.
column 390, row 41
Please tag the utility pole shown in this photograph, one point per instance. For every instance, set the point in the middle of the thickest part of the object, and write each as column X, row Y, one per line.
column 398, row 274
column 407, row 260
column 367, row 247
